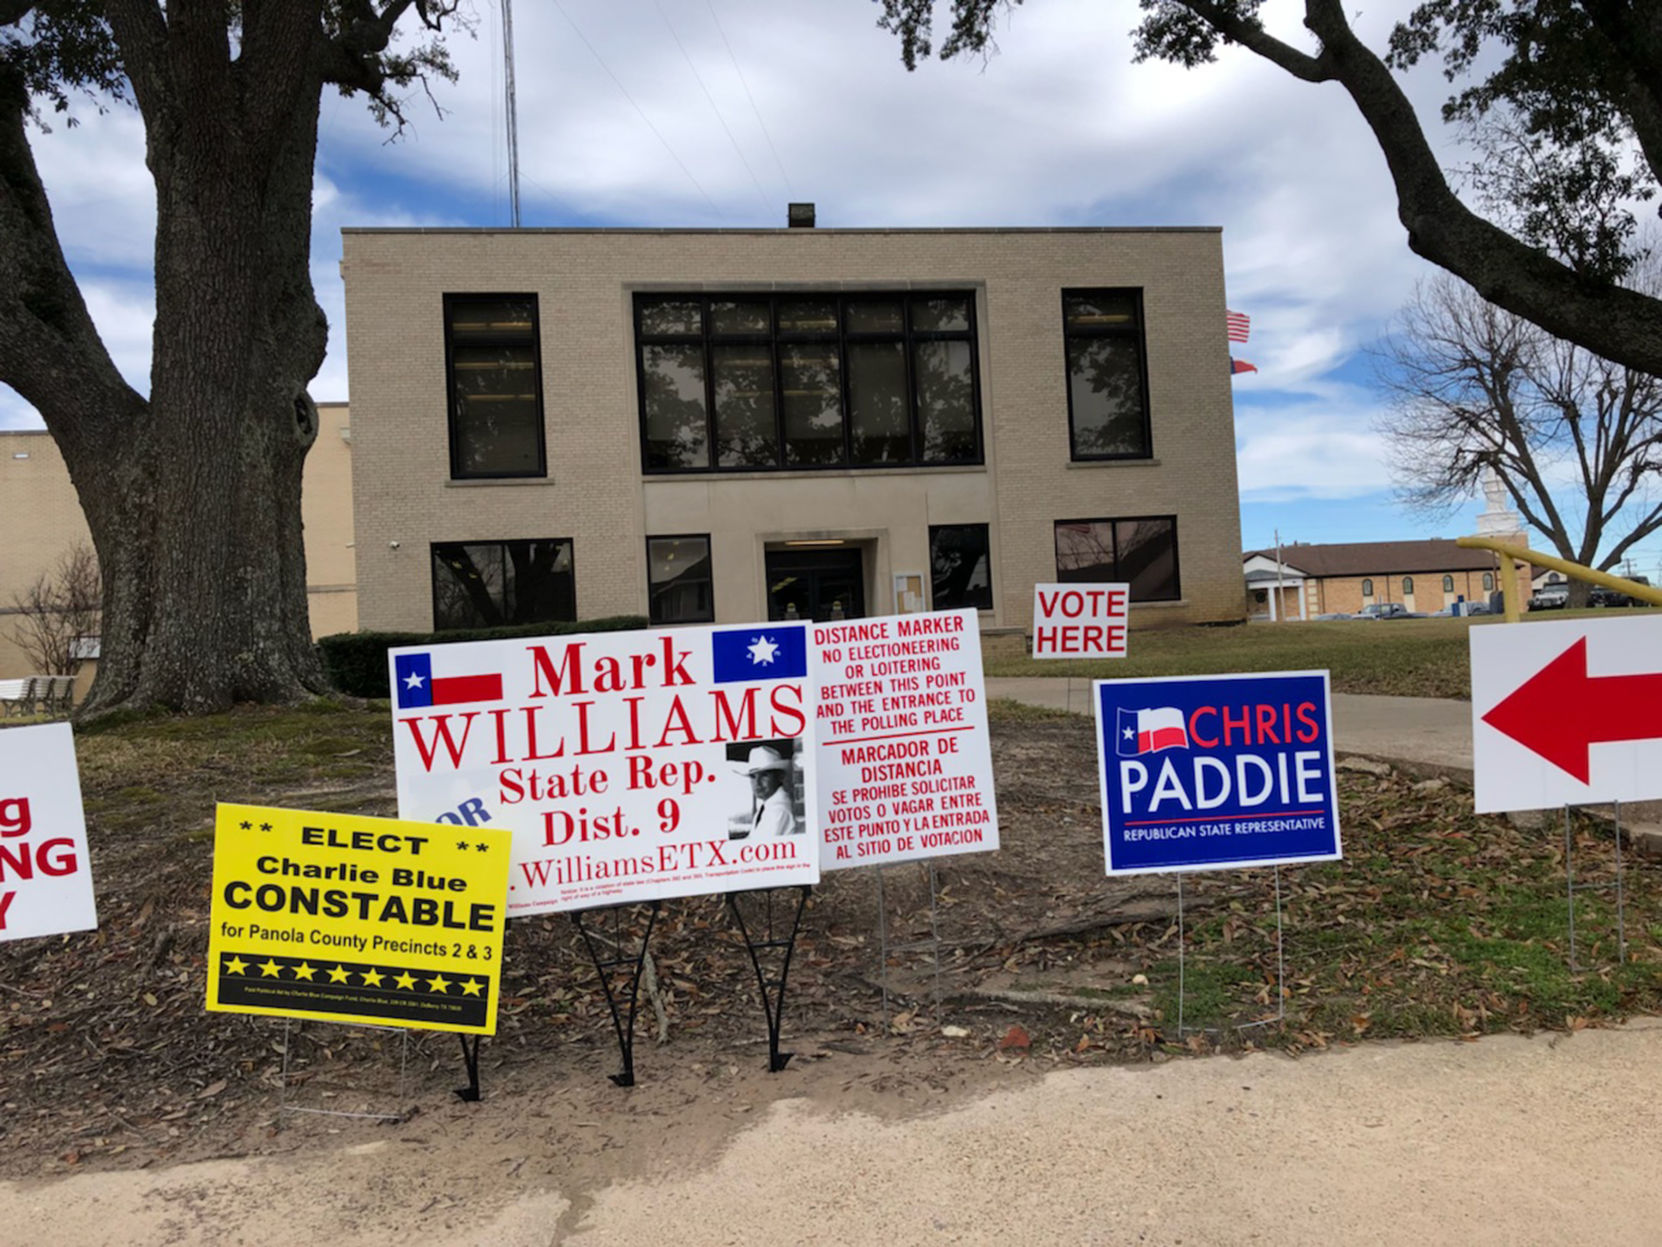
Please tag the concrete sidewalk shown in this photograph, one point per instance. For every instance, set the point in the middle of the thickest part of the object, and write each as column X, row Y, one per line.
column 1428, row 733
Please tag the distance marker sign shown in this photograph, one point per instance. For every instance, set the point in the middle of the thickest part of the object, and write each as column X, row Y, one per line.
column 350, row 919
column 1209, row 771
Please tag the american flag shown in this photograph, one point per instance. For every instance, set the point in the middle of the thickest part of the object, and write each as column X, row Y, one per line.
column 1240, row 326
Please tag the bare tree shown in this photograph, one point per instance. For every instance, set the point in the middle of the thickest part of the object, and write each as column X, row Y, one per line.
column 55, row 614
column 1575, row 439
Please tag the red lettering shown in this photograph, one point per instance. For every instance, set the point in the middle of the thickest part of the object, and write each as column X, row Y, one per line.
column 1231, row 726
column 731, row 726
column 675, row 721
column 5, row 904
column 441, row 731
column 675, row 670
column 1194, row 731
column 1266, row 725
column 788, row 718
column 1047, row 608
column 570, row 668
column 1306, row 716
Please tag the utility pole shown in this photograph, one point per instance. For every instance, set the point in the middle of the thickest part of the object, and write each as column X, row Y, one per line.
column 511, row 101
column 1275, row 613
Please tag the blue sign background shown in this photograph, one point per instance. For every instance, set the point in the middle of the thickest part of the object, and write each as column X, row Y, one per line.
column 1227, row 739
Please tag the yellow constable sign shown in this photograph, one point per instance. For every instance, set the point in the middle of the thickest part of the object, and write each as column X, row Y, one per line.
column 351, row 919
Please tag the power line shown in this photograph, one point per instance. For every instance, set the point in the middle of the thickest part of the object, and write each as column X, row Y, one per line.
column 625, row 90
column 716, row 108
column 790, row 191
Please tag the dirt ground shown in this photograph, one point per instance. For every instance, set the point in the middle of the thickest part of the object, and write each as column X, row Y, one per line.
column 129, row 1114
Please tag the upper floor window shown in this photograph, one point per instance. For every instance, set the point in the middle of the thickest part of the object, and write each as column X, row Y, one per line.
column 1107, row 383
column 734, row 383
column 1448, row 584
column 495, row 375
column 486, row 584
column 1141, row 552
column 1367, row 588
column 679, row 587
column 1407, row 586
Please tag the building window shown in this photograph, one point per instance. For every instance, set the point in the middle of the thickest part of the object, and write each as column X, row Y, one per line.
column 1488, row 582
column 1367, row 588
column 495, row 372
column 1107, row 381
column 1448, row 584
column 1407, row 586
column 960, row 567
column 488, row 584
column 735, row 383
column 679, row 588
column 1141, row 552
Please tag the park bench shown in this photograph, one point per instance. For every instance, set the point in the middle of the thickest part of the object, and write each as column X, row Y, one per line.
column 51, row 695
column 18, row 697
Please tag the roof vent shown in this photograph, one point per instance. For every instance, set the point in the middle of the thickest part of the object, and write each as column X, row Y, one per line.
column 800, row 216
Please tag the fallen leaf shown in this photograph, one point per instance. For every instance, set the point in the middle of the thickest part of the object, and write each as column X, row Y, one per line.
column 1015, row 1038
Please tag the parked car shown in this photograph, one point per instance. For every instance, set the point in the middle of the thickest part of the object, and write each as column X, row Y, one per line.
column 1549, row 598
column 1334, row 615
column 1386, row 610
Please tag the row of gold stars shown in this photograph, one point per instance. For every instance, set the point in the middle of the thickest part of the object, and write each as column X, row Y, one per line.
column 340, row 974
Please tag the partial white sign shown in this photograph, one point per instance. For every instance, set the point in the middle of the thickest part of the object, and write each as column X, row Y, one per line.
column 1566, row 713
column 629, row 765
column 45, row 876
column 905, row 764
column 1080, row 620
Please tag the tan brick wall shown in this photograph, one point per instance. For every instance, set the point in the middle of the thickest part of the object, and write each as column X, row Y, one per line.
column 596, row 493
column 42, row 519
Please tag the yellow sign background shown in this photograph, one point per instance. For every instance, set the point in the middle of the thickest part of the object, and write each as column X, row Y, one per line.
column 351, row 919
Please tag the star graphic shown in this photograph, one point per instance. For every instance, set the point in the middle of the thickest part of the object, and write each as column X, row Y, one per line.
column 414, row 681
column 248, row 826
column 271, row 969
column 1129, row 734
column 236, row 966
column 471, row 987
column 483, row 848
column 338, row 974
column 304, row 971
column 439, row 984
column 265, row 826
column 461, row 846
column 371, row 978
column 406, row 981
column 762, row 650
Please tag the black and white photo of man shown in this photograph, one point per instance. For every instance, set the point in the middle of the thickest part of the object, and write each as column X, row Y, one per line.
column 772, row 811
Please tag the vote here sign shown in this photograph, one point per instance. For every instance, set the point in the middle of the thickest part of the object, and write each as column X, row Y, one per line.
column 629, row 765
column 1080, row 620
column 45, row 877
column 1209, row 771
column 904, row 761
column 352, row 919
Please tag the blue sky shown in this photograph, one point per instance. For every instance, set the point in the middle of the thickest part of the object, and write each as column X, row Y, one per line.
column 717, row 112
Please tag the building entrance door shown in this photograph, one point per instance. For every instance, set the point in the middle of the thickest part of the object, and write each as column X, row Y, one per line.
column 816, row 584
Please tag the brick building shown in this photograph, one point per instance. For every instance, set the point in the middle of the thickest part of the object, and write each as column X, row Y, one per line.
column 730, row 425
column 44, row 521
column 1342, row 578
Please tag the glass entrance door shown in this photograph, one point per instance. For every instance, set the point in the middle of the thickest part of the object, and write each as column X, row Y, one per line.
column 819, row 585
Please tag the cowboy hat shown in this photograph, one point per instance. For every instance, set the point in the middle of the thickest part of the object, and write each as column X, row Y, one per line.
column 763, row 758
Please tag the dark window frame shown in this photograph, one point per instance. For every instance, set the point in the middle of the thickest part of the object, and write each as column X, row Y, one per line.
column 987, row 544
column 1139, row 334
column 1488, row 582
column 433, row 548
column 1176, row 551
column 709, row 555
column 1407, row 585
column 1448, row 584
column 1367, row 586
column 451, row 299
column 841, row 338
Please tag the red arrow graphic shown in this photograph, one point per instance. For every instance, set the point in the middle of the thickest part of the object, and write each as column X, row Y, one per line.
column 1560, row 711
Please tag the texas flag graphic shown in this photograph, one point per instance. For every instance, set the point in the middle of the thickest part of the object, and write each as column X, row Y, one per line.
column 418, row 687
column 759, row 653
column 1144, row 731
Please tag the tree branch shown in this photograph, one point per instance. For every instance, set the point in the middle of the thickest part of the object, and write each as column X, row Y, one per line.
column 1250, row 34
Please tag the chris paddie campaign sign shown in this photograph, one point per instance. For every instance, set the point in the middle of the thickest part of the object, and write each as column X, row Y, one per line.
column 618, row 759
column 1213, row 771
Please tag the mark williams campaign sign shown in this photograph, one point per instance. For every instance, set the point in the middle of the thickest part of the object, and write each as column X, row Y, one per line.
column 629, row 765
column 1210, row 771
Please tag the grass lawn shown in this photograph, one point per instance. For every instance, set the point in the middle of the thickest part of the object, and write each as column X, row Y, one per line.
column 1405, row 657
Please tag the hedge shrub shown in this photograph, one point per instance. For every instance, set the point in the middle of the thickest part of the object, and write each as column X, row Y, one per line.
column 356, row 662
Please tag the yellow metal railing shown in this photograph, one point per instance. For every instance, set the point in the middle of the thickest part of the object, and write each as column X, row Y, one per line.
column 1509, row 580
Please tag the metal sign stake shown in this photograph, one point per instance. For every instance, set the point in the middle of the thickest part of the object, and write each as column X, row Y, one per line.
column 772, row 989
column 283, row 1105
column 883, row 946
column 608, row 967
